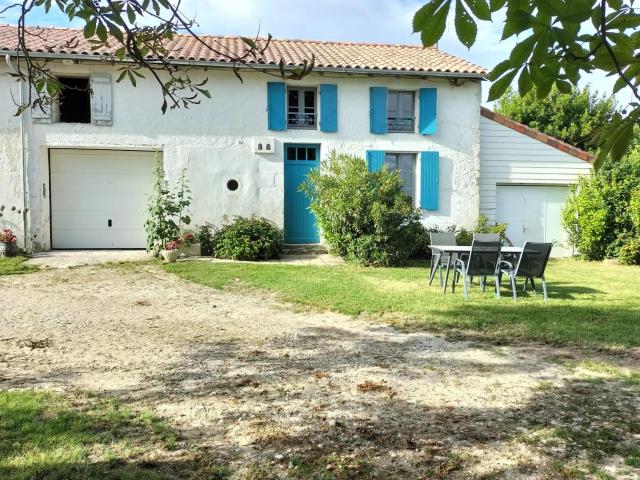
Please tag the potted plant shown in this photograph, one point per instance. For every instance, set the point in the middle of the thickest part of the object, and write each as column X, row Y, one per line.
column 189, row 245
column 7, row 242
column 171, row 251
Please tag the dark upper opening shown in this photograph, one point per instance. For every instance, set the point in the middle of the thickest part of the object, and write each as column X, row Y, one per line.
column 75, row 100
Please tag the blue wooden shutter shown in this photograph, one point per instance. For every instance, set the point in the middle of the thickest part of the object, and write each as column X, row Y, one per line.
column 328, row 107
column 375, row 160
column 378, row 112
column 429, row 172
column 428, row 103
column 276, row 105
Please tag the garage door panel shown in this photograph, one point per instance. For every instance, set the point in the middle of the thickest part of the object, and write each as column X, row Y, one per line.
column 111, row 183
column 91, row 187
column 533, row 214
column 105, row 202
column 100, row 161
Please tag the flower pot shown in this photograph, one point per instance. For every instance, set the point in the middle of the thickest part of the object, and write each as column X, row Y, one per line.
column 193, row 250
column 7, row 249
column 170, row 256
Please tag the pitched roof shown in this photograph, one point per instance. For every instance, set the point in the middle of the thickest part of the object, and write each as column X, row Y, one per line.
column 537, row 135
column 365, row 57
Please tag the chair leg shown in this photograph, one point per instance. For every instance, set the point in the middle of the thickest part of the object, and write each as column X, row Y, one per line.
column 440, row 272
column 497, row 286
column 544, row 288
column 464, row 286
column 526, row 282
column 513, row 287
column 483, row 283
column 533, row 285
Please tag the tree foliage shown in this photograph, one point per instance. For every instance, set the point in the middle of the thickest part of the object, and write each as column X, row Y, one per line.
column 137, row 32
column 572, row 117
column 558, row 41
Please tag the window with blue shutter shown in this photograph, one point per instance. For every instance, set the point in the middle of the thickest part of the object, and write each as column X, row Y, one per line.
column 428, row 105
column 378, row 109
column 328, row 107
column 276, row 106
column 429, row 181
column 375, row 160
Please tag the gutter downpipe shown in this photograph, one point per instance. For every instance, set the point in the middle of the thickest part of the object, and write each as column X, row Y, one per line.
column 25, row 184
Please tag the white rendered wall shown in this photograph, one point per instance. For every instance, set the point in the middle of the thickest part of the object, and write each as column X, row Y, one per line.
column 508, row 157
column 214, row 142
column 11, row 185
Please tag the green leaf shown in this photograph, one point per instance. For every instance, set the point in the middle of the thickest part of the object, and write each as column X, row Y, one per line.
column 499, row 69
column 89, row 29
column 522, row 50
column 434, row 29
column 249, row 42
column 480, row 8
column 500, row 86
column 525, row 84
column 563, row 86
column 423, row 15
column 101, row 32
column 496, row 4
column 517, row 22
column 466, row 27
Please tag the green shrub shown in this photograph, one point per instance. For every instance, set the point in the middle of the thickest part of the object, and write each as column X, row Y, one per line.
column 365, row 216
column 248, row 239
column 634, row 209
column 204, row 236
column 599, row 213
column 629, row 253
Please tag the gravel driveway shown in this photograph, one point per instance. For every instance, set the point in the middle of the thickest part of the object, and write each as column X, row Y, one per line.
column 267, row 388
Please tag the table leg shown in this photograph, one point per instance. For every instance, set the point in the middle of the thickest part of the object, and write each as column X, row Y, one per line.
column 446, row 278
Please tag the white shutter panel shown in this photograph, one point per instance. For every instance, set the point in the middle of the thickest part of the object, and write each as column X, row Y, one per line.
column 101, row 100
column 39, row 114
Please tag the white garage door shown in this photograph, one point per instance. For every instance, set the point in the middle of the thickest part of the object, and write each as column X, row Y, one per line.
column 533, row 214
column 99, row 198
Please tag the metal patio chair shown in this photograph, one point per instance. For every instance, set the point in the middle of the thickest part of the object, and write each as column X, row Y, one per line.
column 482, row 262
column 486, row 237
column 532, row 264
column 439, row 260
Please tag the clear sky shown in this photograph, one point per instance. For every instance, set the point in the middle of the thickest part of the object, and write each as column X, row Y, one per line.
column 380, row 21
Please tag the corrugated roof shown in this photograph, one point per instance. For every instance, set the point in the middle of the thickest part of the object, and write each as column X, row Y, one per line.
column 328, row 55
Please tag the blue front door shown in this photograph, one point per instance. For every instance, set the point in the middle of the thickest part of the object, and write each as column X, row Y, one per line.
column 299, row 221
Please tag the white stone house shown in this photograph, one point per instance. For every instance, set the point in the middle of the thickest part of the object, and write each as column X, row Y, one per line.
column 83, row 169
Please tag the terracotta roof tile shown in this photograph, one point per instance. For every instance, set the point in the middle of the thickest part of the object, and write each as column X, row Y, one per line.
column 537, row 135
column 328, row 55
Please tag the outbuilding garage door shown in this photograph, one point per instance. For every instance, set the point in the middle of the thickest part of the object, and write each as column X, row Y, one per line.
column 534, row 214
column 99, row 198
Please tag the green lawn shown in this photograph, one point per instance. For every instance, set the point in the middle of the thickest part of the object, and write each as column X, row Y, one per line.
column 48, row 436
column 15, row 265
column 590, row 303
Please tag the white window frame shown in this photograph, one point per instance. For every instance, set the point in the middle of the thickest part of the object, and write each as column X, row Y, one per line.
column 301, row 109
column 404, row 124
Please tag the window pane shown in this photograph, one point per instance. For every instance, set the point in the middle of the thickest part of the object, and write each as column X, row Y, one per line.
column 391, row 161
column 311, row 154
column 291, row 153
column 302, row 153
column 309, row 99
column 392, row 104
column 405, row 105
column 294, row 98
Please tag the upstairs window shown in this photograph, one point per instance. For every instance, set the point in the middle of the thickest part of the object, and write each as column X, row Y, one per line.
column 400, row 111
column 74, row 104
column 405, row 163
column 301, row 108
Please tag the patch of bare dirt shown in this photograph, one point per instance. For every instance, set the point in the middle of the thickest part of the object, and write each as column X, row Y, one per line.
column 278, row 393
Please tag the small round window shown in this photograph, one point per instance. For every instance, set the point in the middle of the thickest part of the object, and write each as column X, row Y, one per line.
column 233, row 185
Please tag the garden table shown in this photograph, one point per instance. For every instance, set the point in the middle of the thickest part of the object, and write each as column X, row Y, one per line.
column 459, row 249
